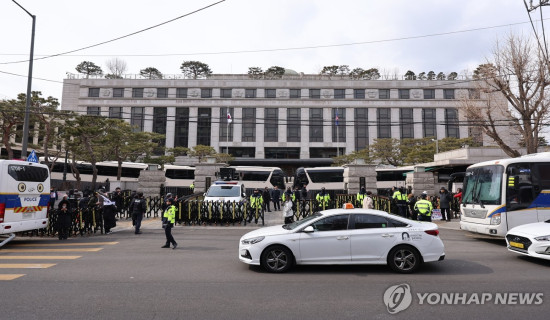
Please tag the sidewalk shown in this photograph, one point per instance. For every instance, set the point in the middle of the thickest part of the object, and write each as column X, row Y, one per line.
column 454, row 224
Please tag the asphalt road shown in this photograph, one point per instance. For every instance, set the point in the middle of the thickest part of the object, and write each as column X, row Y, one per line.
column 128, row 276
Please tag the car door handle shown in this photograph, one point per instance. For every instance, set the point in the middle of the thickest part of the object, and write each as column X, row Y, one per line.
column 342, row 238
column 387, row 235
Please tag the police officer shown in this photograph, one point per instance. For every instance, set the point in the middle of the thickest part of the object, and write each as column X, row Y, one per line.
column 400, row 198
column 323, row 198
column 63, row 218
column 169, row 218
column 288, row 194
column 361, row 197
column 256, row 203
column 424, row 208
column 138, row 208
column 192, row 187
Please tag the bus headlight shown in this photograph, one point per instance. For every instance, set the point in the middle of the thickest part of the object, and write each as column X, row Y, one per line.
column 495, row 219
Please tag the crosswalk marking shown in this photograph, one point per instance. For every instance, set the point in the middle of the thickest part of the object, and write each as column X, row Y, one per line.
column 63, row 244
column 10, row 276
column 39, row 257
column 26, row 265
column 54, row 250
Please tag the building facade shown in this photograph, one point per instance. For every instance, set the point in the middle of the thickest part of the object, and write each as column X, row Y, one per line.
column 297, row 118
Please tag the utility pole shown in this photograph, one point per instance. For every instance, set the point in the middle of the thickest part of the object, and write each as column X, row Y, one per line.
column 29, row 85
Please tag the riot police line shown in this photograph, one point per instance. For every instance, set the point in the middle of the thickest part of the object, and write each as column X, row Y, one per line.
column 87, row 219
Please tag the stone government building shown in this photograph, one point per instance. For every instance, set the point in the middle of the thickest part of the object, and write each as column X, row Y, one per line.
column 287, row 122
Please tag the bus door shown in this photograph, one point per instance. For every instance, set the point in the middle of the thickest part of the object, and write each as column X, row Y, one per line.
column 521, row 191
column 542, row 176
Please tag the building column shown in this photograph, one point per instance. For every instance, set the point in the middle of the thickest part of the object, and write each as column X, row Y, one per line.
column 304, row 133
column 417, row 126
column 238, row 125
column 170, row 126
column 373, row 125
column 282, row 124
column 462, row 124
column 327, row 129
column 148, row 119
column 193, row 126
column 440, row 123
column 395, row 121
column 215, row 128
column 350, row 129
column 260, row 130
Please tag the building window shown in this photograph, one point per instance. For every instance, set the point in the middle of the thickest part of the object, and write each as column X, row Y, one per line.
column 429, row 93
column 295, row 93
column 249, row 125
column 242, row 152
column 181, row 93
column 137, row 92
column 428, row 123
column 384, row 122
column 206, row 93
column 270, row 93
column 451, row 123
column 338, row 124
column 315, row 125
column 271, row 128
column 226, row 93
column 162, row 92
column 361, row 128
column 115, row 112
column 224, row 125
column 407, row 123
column 93, row 111
column 339, row 93
column 137, row 118
column 118, row 92
column 250, row 93
column 358, row 93
column 404, row 94
column 181, row 135
column 293, row 127
column 282, row 153
column 159, row 126
column 383, row 93
column 315, row 93
column 448, row 93
column 204, row 124
column 473, row 94
column 93, row 92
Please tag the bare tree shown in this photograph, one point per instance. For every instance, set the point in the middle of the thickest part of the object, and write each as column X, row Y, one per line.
column 513, row 86
column 117, row 68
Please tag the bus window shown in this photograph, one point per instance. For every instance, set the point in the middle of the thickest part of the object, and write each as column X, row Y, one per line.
column 519, row 191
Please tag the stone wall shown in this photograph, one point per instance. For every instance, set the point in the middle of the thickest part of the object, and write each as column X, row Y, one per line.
column 205, row 172
column 150, row 181
column 353, row 174
column 421, row 181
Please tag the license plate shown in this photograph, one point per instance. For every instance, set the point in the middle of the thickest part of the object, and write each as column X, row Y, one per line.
column 517, row 245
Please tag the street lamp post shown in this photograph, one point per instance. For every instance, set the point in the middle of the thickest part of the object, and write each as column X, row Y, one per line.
column 29, row 85
column 436, row 145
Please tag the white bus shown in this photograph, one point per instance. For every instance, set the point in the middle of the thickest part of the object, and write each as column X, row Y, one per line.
column 105, row 170
column 260, row 177
column 24, row 196
column 179, row 176
column 501, row 194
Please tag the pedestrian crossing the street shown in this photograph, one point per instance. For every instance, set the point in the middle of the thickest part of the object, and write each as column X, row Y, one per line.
column 19, row 257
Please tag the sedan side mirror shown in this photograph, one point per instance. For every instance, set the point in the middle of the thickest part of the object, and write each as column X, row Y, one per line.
column 308, row 229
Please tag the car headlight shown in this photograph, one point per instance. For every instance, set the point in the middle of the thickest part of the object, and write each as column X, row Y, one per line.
column 543, row 238
column 252, row 240
column 495, row 219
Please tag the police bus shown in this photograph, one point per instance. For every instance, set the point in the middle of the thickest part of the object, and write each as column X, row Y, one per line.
column 501, row 194
column 24, row 197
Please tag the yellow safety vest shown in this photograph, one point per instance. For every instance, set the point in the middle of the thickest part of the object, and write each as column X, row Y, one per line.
column 424, row 207
column 170, row 214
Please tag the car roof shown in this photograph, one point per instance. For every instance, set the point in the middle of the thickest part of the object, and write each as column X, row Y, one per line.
column 331, row 212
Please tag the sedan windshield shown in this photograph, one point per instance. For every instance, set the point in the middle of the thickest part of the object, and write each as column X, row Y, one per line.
column 299, row 223
column 223, row 191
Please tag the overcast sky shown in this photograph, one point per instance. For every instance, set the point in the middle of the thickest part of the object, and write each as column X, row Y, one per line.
column 420, row 35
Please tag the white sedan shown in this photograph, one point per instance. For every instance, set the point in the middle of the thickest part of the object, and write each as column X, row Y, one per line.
column 344, row 236
column 532, row 239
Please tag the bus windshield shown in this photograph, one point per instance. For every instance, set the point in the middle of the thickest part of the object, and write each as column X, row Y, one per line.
column 482, row 185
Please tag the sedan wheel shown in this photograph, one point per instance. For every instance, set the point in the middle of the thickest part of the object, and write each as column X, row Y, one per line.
column 404, row 259
column 277, row 259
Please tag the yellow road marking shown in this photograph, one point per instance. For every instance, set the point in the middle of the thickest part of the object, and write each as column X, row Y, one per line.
column 10, row 276
column 26, row 265
column 62, row 244
column 53, row 250
column 39, row 257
